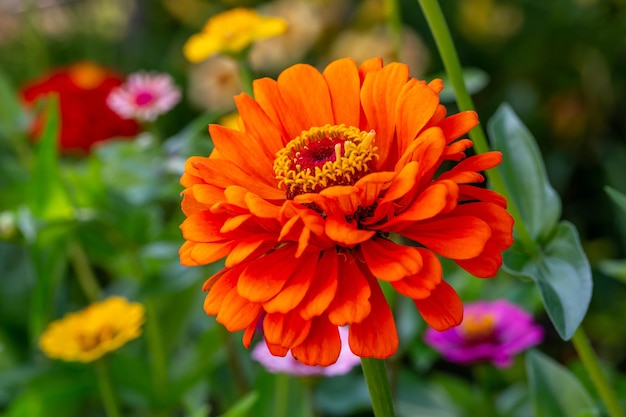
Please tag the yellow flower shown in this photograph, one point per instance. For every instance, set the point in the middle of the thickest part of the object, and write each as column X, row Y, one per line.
column 87, row 335
column 231, row 32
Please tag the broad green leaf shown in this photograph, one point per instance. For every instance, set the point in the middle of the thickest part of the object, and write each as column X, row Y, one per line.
column 49, row 199
column 617, row 197
column 562, row 274
column 524, row 174
column 554, row 390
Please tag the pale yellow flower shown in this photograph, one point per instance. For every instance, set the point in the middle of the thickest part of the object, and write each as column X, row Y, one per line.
column 87, row 335
column 231, row 32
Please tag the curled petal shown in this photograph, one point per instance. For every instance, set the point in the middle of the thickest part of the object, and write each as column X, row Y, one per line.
column 455, row 237
column 389, row 261
column 323, row 288
column 287, row 330
column 351, row 303
column 376, row 335
column 419, row 285
column 322, row 345
column 443, row 309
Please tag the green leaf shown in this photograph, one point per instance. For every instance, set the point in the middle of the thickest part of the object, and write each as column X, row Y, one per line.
column 12, row 117
column 243, row 406
column 49, row 198
column 562, row 274
column 617, row 197
column 614, row 268
column 554, row 390
column 524, row 174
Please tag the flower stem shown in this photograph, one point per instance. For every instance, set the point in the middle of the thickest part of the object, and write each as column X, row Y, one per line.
column 156, row 348
column 84, row 274
column 378, row 386
column 281, row 395
column 590, row 362
column 445, row 45
column 245, row 75
column 106, row 389
column 394, row 25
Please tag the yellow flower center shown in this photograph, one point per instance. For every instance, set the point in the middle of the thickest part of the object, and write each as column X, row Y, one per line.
column 478, row 328
column 87, row 75
column 324, row 156
column 92, row 340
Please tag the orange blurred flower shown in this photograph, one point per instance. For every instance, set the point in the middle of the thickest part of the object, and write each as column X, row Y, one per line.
column 85, row 118
column 308, row 201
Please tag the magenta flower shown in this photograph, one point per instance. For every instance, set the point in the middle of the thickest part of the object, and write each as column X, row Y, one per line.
column 289, row 365
column 144, row 96
column 491, row 331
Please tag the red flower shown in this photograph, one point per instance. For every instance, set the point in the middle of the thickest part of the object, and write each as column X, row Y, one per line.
column 307, row 201
column 85, row 118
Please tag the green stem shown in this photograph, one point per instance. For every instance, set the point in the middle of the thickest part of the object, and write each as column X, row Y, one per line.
column 281, row 395
column 590, row 362
column 155, row 346
column 378, row 386
column 445, row 45
column 394, row 24
column 84, row 274
column 106, row 389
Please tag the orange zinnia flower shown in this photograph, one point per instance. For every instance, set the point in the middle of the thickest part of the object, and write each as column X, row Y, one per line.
column 308, row 201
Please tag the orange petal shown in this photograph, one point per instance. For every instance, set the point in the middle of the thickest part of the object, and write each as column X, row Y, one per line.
column 456, row 237
column 266, row 94
column 489, row 261
column 350, row 304
column 372, row 185
column 276, row 350
column 458, row 124
column 436, row 85
column 258, row 124
column 237, row 313
column 389, row 261
column 346, row 234
column 342, row 77
column 323, row 288
column 248, row 334
column 427, row 150
column 248, row 248
column 439, row 197
column 416, row 106
column 322, row 346
column 376, row 335
column 296, row 287
column 307, row 98
column 222, row 283
column 194, row 253
column 370, row 65
column 260, row 207
column 471, row 192
column 421, row 284
column 443, row 309
column 403, row 182
column 287, row 330
column 379, row 94
column 345, row 198
column 466, row 170
column 265, row 276
column 238, row 147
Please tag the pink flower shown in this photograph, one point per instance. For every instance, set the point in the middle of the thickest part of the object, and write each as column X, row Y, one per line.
column 491, row 331
column 289, row 365
column 144, row 96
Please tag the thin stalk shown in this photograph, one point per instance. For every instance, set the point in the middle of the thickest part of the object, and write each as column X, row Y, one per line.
column 590, row 362
column 281, row 395
column 84, row 274
column 394, row 25
column 378, row 386
column 246, row 77
column 106, row 389
column 155, row 346
column 445, row 45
